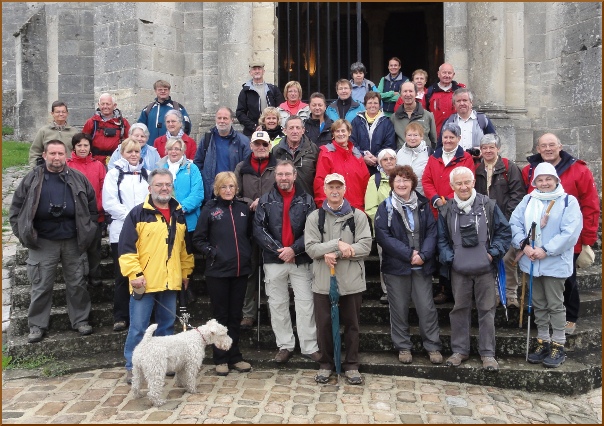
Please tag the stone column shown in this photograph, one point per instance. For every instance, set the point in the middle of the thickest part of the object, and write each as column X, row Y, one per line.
column 455, row 15
column 264, row 44
column 234, row 24
column 486, row 48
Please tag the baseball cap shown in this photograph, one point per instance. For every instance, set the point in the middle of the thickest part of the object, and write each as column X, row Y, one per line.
column 256, row 64
column 260, row 136
column 334, row 177
column 137, row 293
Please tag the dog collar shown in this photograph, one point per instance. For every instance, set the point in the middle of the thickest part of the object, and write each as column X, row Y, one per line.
column 204, row 339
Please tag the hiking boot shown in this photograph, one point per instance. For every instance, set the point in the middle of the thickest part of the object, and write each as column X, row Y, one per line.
column 322, row 376
column 95, row 282
column 489, row 363
column 570, row 327
column 241, row 366
column 128, row 378
column 170, row 373
column 315, row 356
column 456, row 359
column 283, row 356
column 119, row 326
column 247, row 323
column 405, row 356
column 353, row 377
column 435, row 357
column 384, row 299
column 513, row 303
column 222, row 369
column 84, row 329
column 441, row 298
column 556, row 356
column 541, row 352
column 35, row 334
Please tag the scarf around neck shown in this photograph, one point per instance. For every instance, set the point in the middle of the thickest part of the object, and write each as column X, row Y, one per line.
column 535, row 210
column 466, row 205
column 410, row 205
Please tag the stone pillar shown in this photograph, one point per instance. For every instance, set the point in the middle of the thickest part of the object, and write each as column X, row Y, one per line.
column 487, row 49
column 263, row 39
column 236, row 49
column 455, row 15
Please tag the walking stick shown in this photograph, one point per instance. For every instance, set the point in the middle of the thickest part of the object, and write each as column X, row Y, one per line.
column 530, row 300
column 259, row 285
column 522, row 299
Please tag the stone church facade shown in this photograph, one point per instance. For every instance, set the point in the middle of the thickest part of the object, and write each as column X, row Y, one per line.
column 533, row 67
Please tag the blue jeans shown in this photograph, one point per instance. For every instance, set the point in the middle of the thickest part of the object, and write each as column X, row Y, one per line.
column 140, row 314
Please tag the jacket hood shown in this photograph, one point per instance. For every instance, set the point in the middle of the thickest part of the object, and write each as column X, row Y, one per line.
column 454, row 86
column 125, row 166
column 247, row 169
column 438, row 153
column 566, row 160
column 421, row 147
column 117, row 114
column 417, row 112
column 86, row 160
column 397, row 78
column 353, row 104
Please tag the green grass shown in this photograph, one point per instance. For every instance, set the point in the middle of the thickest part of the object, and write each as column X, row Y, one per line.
column 7, row 130
column 14, row 154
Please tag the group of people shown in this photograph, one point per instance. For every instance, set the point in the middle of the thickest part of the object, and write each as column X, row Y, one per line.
column 298, row 197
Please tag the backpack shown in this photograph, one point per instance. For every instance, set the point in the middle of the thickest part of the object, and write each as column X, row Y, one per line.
column 177, row 107
column 506, row 164
column 122, row 134
column 120, row 178
column 349, row 222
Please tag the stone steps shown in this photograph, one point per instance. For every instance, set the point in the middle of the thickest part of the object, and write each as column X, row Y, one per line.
column 580, row 373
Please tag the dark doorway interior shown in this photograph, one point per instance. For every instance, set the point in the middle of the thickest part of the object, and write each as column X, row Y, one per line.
column 318, row 41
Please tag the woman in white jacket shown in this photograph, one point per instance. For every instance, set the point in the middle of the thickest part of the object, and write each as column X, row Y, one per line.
column 125, row 187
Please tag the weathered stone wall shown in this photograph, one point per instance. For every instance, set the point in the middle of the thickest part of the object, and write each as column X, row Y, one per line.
column 564, row 76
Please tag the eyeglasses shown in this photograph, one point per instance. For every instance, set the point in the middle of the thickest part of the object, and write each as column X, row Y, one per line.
column 264, row 144
column 162, row 185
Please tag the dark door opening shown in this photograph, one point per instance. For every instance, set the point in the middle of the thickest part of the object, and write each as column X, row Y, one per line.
column 319, row 41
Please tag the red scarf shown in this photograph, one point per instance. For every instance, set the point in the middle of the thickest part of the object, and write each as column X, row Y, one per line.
column 259, row 165
column 287, row 235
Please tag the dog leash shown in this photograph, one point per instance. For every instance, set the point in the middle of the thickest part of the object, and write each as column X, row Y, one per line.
column 184, row 318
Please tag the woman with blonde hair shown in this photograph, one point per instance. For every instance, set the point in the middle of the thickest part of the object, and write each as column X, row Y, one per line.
column 269, row 122
column 293, row 104
column 223, row 235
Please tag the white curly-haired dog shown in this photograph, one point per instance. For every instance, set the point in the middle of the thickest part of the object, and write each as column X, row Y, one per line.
column 182, row 353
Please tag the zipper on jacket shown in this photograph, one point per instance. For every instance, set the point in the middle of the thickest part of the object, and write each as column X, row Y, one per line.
column 236, row 241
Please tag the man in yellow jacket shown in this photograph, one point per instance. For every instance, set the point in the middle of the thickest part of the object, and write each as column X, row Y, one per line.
column 154, row 257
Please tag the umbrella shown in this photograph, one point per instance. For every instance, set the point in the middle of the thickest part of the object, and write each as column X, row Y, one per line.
column 334, row 298
column 501, row 284
column 530, row 300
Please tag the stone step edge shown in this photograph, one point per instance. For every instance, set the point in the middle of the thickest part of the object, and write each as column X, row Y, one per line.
column 579, row 374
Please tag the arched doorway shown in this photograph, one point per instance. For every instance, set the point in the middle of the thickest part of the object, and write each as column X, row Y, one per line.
column 317, row 42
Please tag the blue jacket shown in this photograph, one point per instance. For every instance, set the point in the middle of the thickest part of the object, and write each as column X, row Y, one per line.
column 359, row 92
column 355, row 108
column 382, row 134
column 156, row 118
column 239, row 149
column 188, row 190
column 396, row 253
column 558, row 237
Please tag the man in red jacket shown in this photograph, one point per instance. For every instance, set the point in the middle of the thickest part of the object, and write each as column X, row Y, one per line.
column 107, row 128
column 439, row 99
column 577, row 180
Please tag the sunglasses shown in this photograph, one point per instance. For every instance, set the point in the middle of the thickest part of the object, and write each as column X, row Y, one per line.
column 264, row 144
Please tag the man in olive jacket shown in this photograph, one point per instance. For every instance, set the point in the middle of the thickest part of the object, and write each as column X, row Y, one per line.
column 344, row 244
column 54, row 215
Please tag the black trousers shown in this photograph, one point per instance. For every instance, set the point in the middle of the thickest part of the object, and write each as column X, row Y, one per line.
column 94, row 255
column 572, row 301
column 121, row 295
column 226, row 296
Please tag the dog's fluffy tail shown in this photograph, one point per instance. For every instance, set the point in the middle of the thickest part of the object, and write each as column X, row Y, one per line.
column 149, row 332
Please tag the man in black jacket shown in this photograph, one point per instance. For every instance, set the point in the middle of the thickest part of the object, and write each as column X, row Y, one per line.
column 256, row 95
column 279, row 231
column 318, row 126
column 54, row 214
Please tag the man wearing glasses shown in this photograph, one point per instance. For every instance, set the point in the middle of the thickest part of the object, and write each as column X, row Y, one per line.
column 154, row 257
column 255, row 177
column 279, row 231
column 61, row 203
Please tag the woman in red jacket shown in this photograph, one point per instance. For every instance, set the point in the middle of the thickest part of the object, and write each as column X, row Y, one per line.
column 82, row 161
column 341, row 156
column 437, row 188
column 173, row 120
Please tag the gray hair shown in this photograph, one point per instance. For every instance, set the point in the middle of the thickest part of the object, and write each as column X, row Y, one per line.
column 451, row 127
column 461, row 91
column 107, row 94
column 460, row 171
column 293, row 117
column 141, row 126
column 228, row 109
column 159, row 172
column 173, row 141
column 358, row 67
column 490, row 138
column 410, row 82
column 175, row 113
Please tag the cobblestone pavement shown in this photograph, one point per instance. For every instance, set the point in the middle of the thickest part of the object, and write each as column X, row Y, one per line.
column 285, row 396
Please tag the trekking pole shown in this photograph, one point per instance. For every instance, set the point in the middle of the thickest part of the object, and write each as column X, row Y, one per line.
column 259, row 287
column 522, row 299
column 530, row 300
